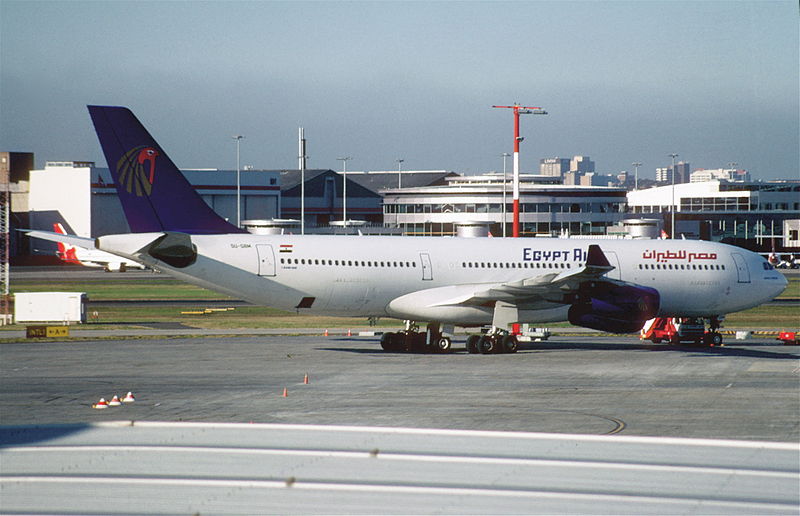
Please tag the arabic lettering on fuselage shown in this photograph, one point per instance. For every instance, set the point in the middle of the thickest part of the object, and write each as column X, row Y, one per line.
column 564, row 255
column 664, row 256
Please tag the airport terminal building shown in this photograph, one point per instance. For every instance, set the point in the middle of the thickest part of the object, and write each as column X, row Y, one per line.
column 757, row 215
column 547, row 208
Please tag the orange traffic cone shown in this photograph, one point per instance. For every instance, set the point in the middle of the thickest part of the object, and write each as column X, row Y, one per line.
column 102, row 404
column 349, row 332
column 326, row 332
column 305, row 379
column 285, row 393
column 114, row 402
column 128, row 398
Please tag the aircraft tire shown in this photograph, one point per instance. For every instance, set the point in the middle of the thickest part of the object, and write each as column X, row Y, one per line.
column 443, row 345
column 510, row 344
column 416, row 342
column 393, row 342
column 472, row 344
column 487, row 344
column 387, row 341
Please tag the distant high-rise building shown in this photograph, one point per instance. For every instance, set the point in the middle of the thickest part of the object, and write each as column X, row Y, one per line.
column 664, row 174
column 726, row 174
column 682, row 173
column 581, row 164
column 553, row 166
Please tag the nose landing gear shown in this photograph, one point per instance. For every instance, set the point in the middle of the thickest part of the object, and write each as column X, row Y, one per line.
column 713, row 337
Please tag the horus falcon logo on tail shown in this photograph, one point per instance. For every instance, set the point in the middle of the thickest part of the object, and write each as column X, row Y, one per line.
column 133, row 174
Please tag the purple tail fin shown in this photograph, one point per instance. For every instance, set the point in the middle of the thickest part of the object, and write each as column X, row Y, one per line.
column 154, row 194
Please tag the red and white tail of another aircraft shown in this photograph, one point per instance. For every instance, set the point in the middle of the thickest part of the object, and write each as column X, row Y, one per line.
column 91, row 257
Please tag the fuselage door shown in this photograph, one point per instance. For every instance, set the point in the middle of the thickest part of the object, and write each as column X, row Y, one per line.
column 741, row 268
column 613, row 259
column 266, row 260
column 427, row 269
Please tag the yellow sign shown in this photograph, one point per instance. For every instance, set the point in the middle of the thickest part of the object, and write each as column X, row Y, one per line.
column 33, row 332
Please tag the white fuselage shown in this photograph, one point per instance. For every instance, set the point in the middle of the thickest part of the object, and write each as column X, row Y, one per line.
column 363, row 275
column 96, row 258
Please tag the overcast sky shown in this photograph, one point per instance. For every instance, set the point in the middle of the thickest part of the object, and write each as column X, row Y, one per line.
column 715, row 82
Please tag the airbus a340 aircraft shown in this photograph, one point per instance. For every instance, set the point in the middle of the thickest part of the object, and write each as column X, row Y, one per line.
column 609, row 285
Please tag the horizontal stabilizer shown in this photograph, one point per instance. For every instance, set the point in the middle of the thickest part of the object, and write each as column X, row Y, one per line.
column 86, row 243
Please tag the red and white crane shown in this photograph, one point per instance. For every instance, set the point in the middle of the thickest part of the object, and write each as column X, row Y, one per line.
column 519, row 110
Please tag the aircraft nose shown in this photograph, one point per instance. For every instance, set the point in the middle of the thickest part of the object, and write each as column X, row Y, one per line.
column 784, row 282
column 779, row 284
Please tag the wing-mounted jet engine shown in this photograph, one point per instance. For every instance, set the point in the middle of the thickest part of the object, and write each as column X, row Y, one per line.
column 613, row 308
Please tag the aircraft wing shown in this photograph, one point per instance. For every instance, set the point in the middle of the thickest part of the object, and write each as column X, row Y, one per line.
column 546, row 288
column 538, row 292
column 85, row 242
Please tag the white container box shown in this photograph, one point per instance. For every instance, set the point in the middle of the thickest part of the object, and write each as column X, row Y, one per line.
column 57, row 307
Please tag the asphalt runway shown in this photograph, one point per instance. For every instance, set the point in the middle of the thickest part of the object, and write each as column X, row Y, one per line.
column 573, row 425
column 575, row 385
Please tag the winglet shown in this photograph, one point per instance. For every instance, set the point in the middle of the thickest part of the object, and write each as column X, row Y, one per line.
column 596, row 258
column 154, row 194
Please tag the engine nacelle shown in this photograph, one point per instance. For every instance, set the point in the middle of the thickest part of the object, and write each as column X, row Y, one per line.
column 614, row 308
column 175, row 249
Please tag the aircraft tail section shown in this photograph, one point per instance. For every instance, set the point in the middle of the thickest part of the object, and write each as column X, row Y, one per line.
column 66, row 253
column 154, row 194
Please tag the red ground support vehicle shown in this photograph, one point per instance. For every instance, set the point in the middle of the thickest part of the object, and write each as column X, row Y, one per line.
column 677, row 330
column 789, row 338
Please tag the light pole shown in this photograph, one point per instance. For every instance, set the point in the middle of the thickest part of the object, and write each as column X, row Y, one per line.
column 238, row 139
column 636, row 165
column 399, row 173
column 672, row 208
column 344, row 187
column 301, row 147
column 505, row 155
column 519, row 110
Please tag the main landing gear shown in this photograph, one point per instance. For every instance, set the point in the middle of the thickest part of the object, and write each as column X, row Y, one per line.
column 494, row 341
column 411, row 340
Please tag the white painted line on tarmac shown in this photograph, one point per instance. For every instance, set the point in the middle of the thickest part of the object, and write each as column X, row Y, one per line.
column 754, row 507
column 410, row 457
column 677, row 441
